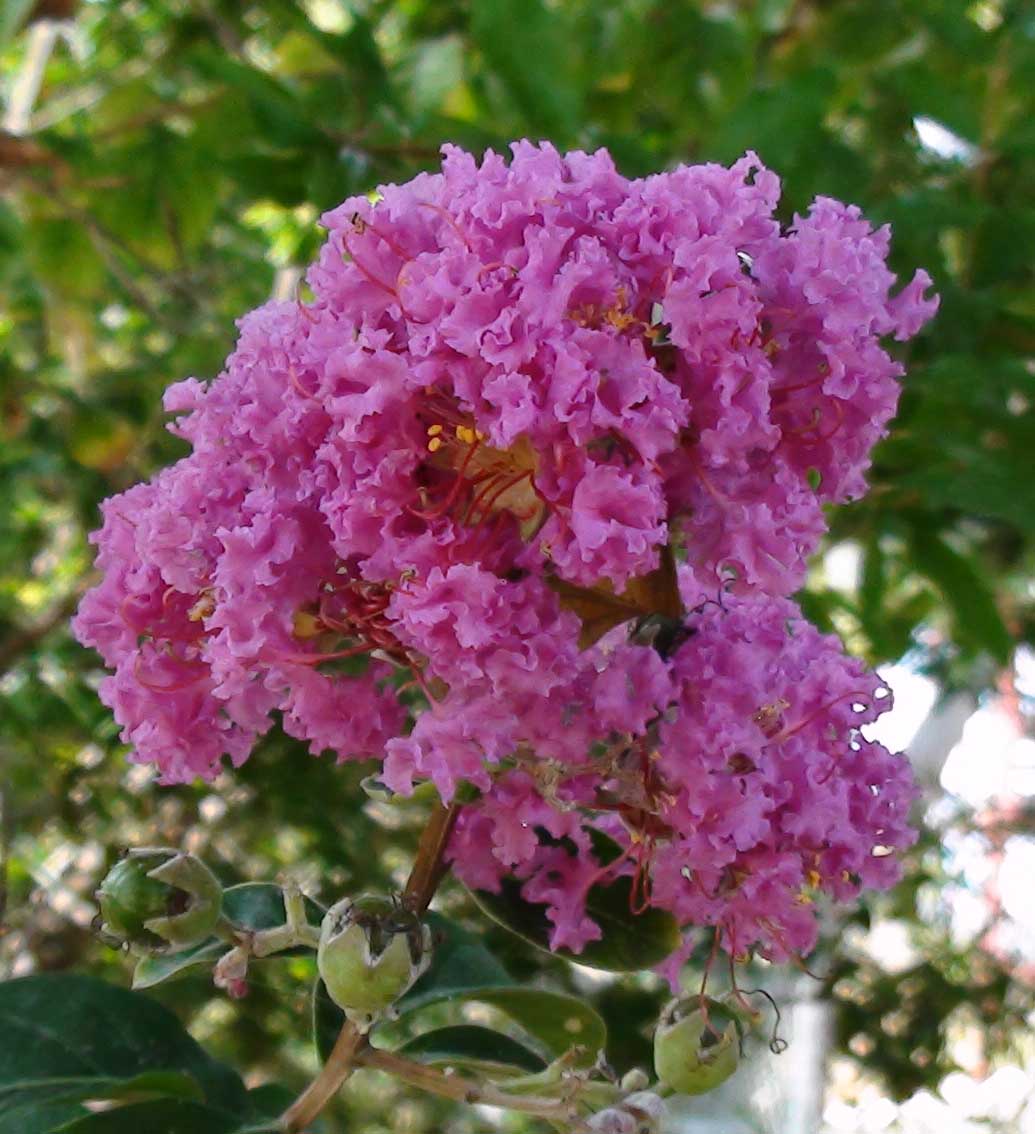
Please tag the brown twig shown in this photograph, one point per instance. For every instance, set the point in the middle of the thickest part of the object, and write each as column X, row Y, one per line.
column 463, row 1090
column 429, row 868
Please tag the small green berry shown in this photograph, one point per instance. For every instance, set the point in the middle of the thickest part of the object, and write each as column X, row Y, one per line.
column 695, row 1051
column 371, row 951
column 156, row 897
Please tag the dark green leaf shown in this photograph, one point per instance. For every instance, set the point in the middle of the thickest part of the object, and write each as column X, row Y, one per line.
column 459, row 963
column 65, row 1026
column 260, row 905
column 464, row 971
column 630, row 941
column 162, row 1116
column 558, row 1021
column 327, row 1019
column 75, row 1088
column 39, row 1117
column 965, row 588
column 269, row 1101
column 467, row 1045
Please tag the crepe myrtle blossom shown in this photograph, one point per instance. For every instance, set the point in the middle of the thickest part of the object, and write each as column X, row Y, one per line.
column 436, row 515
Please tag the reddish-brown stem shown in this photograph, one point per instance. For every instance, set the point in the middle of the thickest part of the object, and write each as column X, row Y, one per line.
column 429, row 868
column 325, row 1086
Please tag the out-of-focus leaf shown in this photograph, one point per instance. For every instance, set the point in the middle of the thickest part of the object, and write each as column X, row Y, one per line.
column 12, row 16
column 467, row 1046
column 977, row 619
column 65, row 257
column 162, row 1116
column 74, row 1028
column 40, row 1118
column 527, row 46
column 29, row 1096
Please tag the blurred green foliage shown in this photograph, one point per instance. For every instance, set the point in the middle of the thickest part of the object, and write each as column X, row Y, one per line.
column 166, row 174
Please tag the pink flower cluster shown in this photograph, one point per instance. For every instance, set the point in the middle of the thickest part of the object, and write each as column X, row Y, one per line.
column 433, row 516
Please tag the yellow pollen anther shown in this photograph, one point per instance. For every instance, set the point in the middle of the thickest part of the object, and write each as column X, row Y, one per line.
column 205, row 606
column 466, row 434
column 434, row 444
column 434, row 430
column 814, row 877
column 306, row 625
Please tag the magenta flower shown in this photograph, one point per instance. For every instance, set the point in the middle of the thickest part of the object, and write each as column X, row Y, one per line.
column 459, row 479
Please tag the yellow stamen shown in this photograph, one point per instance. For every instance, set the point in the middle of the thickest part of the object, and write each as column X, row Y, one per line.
column 434, row 430
column 466, row 434
column 205, row 606
column 434, row 444
column 814, row 877
column 305, row 624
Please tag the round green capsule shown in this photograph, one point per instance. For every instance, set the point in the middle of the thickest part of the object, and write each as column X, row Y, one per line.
column 157, row 897
column 371, row 951
column 695, row 1051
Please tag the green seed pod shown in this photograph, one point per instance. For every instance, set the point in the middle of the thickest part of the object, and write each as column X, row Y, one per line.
column 695, row 1052
column 156, row 897
column 371, row 951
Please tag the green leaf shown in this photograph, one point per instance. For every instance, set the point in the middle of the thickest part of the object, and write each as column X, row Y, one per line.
column 327, row 1019
column 77, row 1088
column 459, row 963
column 463, row 971
column 39, row 1117
column 630, row 941
column 260, row 905
column 162, row 1116
column 467, row 1045
column 251, row 905
column 12, row 15
column 527, row 46
column 270, row 1100
column 63, row 1026
column 154, row 968
column 64, row 256
column 558, row 1021
column 978, row 623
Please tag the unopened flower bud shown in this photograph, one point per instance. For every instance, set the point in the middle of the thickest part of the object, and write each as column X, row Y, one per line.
column 155, row 897
column 639, row 1113
column 695, row 1051
column 371, row 951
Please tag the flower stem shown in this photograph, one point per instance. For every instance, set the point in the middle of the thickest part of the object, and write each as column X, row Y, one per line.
column 339, row 1066
column 429, row 868
column 464, row 1090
